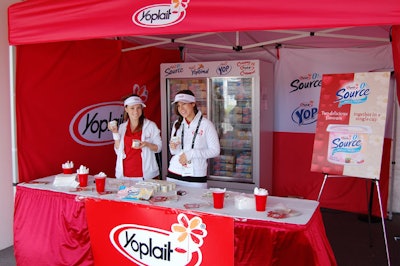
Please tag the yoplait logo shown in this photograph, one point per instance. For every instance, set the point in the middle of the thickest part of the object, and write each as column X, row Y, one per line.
column 305, row 114
column 89, row 126
column 308, row 81
column 223, row 69
column 145, row 245
column 198, row 70
column 173, row 69
column 161, row 15
column 353, row 93
column 246, row 67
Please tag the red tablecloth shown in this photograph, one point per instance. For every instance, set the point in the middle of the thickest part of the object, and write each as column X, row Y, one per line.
column 50, row 228
column 269, row 243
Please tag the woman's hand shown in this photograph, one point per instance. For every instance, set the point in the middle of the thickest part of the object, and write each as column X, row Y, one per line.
column 151, row 146
column 182, row 159
column 174, row 143
column 112, row 127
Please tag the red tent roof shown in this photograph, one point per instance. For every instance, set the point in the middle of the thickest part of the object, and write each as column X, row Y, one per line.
column 36, row 21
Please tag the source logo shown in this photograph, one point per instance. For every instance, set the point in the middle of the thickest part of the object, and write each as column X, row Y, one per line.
column 307, row 81
column 173, row 69
column 145, row 245
column 89, row 126
column 353, row 93
column 161, row 15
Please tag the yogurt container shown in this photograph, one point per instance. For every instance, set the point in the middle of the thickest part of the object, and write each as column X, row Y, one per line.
column 347, row 144
column 135, row 143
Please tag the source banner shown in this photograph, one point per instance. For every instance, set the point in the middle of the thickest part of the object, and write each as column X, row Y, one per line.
column 351, row 124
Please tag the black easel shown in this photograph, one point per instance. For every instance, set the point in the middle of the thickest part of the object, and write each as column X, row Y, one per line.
column 369, row 217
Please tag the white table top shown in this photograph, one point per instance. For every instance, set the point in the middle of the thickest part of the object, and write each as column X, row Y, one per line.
column 302, row 210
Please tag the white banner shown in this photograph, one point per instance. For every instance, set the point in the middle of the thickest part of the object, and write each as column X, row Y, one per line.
column 298, row 75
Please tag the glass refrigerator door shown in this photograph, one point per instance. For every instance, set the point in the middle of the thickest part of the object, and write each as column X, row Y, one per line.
column 197, row 85
column 230, row 110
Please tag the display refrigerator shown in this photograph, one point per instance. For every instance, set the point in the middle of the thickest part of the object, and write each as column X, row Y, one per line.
column 237, row 96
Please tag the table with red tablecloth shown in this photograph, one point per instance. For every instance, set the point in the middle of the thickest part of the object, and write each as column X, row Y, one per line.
column 51, row 228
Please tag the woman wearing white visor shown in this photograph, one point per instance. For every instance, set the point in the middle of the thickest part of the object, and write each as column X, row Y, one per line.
column 194, row 139
column 136, row 142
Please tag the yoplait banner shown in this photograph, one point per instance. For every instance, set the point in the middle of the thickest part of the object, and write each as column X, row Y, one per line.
column 122, row 233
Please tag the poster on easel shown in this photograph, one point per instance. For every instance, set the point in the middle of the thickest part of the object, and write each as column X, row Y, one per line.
column 351, row 124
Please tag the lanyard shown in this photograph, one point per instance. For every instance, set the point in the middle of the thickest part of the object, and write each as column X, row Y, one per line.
column 195, row 133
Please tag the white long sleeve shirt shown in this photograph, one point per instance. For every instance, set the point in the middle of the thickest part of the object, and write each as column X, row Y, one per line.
column 150, row 133
column 206, row 145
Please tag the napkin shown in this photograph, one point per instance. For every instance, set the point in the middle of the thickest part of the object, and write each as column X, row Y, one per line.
column 260, row 191
column 68, row 164
column 244, row 202
column 82, row 170
column 65, row 180
column 101, row 174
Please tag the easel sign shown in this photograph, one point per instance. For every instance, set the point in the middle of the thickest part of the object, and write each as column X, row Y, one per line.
column 351, row 124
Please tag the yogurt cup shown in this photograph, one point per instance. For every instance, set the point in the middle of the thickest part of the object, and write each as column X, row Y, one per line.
column 113, row 124
column 176, row 139
column 347, row 144
column 135, row 143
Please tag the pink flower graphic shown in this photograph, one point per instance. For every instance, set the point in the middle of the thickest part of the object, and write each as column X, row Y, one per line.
column 141, row 91
column 190, row 232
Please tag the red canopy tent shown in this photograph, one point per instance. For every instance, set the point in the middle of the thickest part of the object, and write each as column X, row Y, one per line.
column 44, row 21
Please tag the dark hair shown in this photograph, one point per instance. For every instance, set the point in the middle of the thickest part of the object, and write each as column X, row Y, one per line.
column 141, row 118
column 180, row 117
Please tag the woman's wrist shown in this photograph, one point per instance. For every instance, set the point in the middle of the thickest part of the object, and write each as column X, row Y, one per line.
column 116, row 136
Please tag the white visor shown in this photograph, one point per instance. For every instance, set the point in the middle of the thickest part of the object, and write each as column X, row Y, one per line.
column 133, row 100
column 186, row 98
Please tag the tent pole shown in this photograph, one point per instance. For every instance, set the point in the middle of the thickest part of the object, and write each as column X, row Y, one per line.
column 393, row 155
column 12, row 68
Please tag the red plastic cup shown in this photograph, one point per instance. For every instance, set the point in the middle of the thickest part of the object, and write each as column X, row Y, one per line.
column 261, row 202
column 218, row 197
column 100, row 183
column 83, row 180
column 68, row 170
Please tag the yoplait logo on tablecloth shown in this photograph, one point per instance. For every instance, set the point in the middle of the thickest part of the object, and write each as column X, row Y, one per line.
column 161, row 15
column 146, row 245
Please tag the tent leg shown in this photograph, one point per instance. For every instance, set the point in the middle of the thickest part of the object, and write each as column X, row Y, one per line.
column 322, row 186
column 393, row 153
column 12, row 66
column 383, row 221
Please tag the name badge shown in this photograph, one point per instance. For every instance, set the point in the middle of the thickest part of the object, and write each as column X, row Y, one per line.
column 187, row 170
